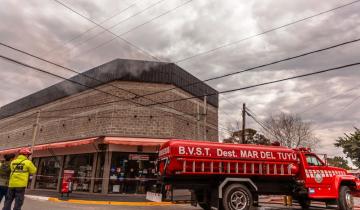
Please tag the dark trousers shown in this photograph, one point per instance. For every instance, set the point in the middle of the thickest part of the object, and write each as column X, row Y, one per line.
column 17, row 194
column 3, row 192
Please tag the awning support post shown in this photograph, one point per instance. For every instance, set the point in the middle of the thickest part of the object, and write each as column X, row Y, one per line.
column 33, row 180
column 93, row 173
column 106, row 174
column 61, row 172
column 35, row 131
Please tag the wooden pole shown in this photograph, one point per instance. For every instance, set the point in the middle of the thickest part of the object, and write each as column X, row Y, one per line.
column 243, row 140
column 35, row 131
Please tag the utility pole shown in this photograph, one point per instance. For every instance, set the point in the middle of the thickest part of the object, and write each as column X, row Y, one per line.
column 35, row 131
column 197, row 120
column 205, row 116
column 243, row 141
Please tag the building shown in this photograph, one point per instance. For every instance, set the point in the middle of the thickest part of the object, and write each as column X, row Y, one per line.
column 101, row 132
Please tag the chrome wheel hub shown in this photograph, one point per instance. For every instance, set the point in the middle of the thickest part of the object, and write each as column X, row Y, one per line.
column 238, row 200
column 349, row 200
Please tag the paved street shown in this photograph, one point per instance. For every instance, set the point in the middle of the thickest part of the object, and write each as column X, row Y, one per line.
column 47, row 205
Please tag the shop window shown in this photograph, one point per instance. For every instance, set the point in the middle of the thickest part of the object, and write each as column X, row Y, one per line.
column 48, row 173
column 81, row 165
column 131, row 173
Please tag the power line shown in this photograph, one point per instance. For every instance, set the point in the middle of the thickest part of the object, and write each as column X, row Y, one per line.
column 126, row 41
column 76, row 82
column 266, row 83
column 228, row 91
column 136, row 27
column 286, row 59
column 262, row 124
column 105, row 117
column 233, row 90
column 304, row 54
column 330, row 98
column 256, row 120
column 90, row 29
column 257, row 67
column 265, row 32
column 18, row 120
column 346, row 106
column 122, row 21
column 85, row 75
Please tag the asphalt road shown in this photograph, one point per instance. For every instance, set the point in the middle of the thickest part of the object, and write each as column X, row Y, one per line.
column 48, row 205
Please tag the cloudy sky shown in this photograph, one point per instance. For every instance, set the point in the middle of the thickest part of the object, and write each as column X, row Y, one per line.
column 180, row 29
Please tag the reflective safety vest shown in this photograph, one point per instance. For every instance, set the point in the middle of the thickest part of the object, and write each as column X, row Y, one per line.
column 21, row 168
column 4, row 173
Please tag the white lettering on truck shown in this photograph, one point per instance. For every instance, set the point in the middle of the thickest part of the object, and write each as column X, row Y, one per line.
column 181, row 150
column 198, row 151
column 224, row 153
column 252, row 154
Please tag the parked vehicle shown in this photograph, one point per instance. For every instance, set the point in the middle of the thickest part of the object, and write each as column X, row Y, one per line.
column 232, row 176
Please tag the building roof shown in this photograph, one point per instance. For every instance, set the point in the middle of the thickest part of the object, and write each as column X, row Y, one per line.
column 119, row 69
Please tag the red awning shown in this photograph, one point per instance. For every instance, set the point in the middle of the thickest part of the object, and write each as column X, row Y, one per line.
column 104, row 140
column 9, row 151
column 134, row 141
column 65, row 144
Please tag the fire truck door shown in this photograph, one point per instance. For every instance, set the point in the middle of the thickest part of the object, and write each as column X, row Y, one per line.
column 318, row 178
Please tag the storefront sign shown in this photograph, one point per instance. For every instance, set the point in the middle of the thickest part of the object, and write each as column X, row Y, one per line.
column 138, row 157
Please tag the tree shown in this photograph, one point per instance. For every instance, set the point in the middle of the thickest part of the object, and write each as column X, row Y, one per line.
column 290, row 131
column 338, row 162
column 251, row 137
column 351, row 146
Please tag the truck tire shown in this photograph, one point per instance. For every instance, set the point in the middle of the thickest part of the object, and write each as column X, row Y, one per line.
column 237, row 197
column 345, row 201
column 304, row 203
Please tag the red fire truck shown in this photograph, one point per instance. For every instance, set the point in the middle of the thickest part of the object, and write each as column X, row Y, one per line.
column 232, row 176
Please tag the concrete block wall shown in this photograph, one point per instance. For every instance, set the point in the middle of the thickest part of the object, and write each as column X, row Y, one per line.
column 122, row 118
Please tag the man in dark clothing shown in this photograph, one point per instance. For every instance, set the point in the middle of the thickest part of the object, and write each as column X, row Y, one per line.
column 5, row 174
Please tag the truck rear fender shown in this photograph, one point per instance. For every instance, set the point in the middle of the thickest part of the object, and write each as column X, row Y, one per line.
column 250, row 184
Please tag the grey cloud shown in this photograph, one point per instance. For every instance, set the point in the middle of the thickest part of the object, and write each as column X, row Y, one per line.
column 39, row 26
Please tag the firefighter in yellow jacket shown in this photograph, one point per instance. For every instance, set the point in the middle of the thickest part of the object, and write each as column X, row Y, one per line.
column 21, row 168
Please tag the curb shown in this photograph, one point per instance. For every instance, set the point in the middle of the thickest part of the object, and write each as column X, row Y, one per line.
column 92, row 202
column 113, row 203
column 38, row 198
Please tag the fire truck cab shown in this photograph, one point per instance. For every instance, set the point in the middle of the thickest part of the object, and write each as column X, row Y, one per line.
column 232, row 176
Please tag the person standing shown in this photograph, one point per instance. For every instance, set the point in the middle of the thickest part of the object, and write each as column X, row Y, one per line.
column 5, row 175
column 21, row 168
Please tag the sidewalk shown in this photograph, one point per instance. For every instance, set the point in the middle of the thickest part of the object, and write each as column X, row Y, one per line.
column 100, row 197
column 135, row 199
column 89, row 197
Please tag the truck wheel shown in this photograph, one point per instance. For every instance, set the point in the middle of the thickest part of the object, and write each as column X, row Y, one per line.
column 237, row 197
column 346, row 200
column 304, row 203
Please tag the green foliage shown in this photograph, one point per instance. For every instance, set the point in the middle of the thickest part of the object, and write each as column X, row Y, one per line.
column 338, row 162
column 251, row 137
column 351, row 146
